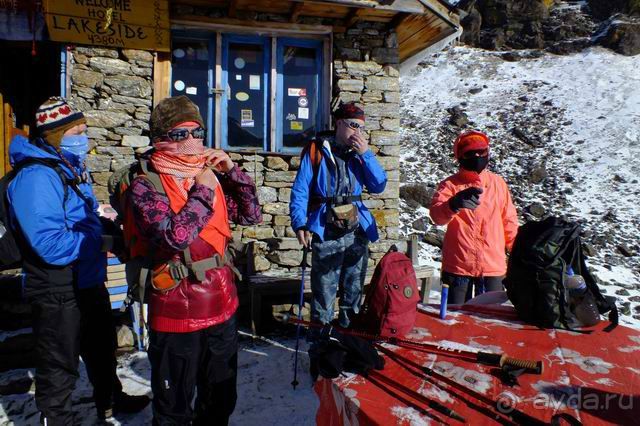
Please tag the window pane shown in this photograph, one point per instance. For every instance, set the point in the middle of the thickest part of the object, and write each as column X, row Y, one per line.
column 190, row 73
column 301, row 96
column 246, row 108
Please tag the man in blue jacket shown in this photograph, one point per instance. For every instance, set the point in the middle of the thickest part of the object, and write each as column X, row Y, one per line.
column 328, row 215
column 63, row 245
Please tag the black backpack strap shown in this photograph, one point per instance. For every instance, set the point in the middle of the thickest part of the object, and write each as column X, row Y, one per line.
column 51, row 163
column 605, row 303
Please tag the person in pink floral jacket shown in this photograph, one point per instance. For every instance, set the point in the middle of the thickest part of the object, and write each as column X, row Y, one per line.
column 193, row 337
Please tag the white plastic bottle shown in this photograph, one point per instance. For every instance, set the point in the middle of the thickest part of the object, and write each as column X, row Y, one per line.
column 582, row 302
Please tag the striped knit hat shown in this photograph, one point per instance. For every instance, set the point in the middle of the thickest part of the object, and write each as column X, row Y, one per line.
column 54, row 117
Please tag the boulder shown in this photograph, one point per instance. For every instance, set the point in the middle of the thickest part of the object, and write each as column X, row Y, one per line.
column 621, row 34
column 416, row 195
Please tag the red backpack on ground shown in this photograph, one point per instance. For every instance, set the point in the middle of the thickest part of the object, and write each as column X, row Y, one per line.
column 389, row 307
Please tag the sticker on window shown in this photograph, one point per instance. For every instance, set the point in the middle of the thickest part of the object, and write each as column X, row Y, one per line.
column 178, row 85
column 246, row 114
column 254, row 82
column 192, row 90
column 303, row 113
column 239, row 63
column 290, row 116
column 238, row 77
column 202, row 54
column 178, row 53
column 293, row 91
column 242, row 96
column 303, row 101
column 296, row 125
column 247, row 123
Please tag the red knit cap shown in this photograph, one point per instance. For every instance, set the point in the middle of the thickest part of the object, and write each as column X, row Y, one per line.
column 471, row 140
column 349, row 111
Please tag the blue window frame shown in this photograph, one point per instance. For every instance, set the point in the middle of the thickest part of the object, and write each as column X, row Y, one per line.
column 192, row 63
column 300, row 97
column 244, row 111
column 244, row 88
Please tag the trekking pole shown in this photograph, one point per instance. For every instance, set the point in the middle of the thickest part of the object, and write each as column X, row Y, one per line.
column 483, row 403
column 489, row 358
column 376, row 378
column 303, row 265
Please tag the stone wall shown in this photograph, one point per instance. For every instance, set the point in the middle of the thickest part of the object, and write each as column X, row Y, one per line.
column 114, row 89
column 365, row 66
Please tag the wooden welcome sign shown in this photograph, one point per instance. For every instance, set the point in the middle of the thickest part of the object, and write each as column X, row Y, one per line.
column 134, row 24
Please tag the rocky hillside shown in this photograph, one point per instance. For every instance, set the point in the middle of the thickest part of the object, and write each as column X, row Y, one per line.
column 566, row 137
column 560, row 27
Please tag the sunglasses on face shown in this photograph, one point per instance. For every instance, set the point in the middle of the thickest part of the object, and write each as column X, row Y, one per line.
column 476, row 153
column 179, row 134
column 354, row 125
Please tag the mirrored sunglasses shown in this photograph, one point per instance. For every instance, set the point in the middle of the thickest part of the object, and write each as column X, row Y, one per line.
column 355, row 125
column 179, row 134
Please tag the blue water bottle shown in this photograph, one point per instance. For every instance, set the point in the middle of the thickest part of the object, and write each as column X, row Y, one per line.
column 443, row 301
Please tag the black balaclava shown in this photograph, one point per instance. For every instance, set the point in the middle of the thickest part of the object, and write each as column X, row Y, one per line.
column 474, row 164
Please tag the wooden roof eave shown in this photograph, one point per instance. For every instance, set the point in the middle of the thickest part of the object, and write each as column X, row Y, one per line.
column 405, row 6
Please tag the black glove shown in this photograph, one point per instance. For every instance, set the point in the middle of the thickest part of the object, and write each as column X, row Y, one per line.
column 467, row 199
column 109, row 227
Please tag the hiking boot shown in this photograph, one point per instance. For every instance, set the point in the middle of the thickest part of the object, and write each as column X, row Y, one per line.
column 128, row 404
column 104, row 414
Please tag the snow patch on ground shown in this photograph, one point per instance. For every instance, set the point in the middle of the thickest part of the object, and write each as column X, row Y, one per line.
column 265, row 395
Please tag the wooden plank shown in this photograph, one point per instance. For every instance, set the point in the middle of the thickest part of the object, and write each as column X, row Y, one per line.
column 445, row 32
column 272, row 98
column 4, row 143
column 409, row 6
column 233, row 9
column 353, row 17
column 117, row 297
column 132, row 24
column 207, row 3
column 8, row 134
column 423, row 39
column 413, row 24
column 250, row 26
column 297, row 10
column 116, row 283
column 116, row 268
column 114, row 276
column 326, row 11
column 161, row 76
column 327, row 72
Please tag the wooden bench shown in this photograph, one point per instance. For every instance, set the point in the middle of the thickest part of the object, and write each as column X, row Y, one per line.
column 282, row 284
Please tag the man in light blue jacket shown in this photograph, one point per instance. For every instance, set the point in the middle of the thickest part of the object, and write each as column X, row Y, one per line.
column 328, row 215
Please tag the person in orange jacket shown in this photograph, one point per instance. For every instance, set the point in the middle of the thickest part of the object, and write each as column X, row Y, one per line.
column 481, row 220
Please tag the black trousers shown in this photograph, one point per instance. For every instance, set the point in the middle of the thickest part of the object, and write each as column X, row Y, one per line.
column 206, row 360
column 461, row 288
column 68, row 325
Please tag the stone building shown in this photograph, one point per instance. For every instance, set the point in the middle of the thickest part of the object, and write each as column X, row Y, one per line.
column 264, row 74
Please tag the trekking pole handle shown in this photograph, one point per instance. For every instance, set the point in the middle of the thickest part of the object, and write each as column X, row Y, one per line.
column 305, row 251
column 500, row 360
column 532, row 366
